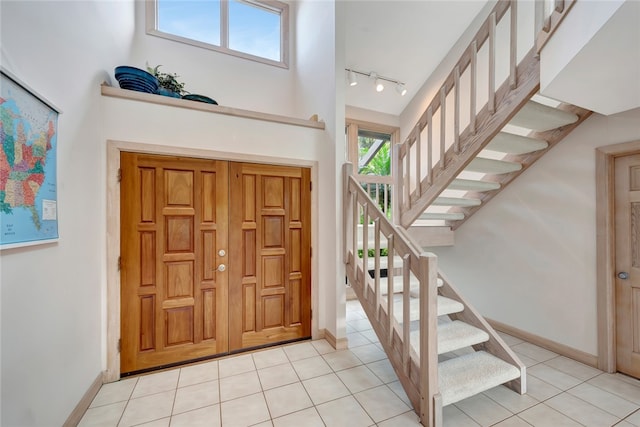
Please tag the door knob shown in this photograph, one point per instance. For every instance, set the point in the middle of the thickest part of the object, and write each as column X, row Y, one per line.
column 222, row 252
column 222, row 267
column 623, row 275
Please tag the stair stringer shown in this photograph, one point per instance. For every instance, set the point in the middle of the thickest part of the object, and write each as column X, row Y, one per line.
column 508, row 102
column 495, row 345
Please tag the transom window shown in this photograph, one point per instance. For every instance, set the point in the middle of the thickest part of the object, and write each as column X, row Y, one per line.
column 249, row 29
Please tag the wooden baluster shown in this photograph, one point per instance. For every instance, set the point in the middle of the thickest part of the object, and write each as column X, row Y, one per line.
column 559, row 6
column 443, row 124
column 399, row 202
column 456, row 112
column 376, row 280
column 406, row 311
column 347, row 170
column 492, row 63
column 418, row 162
column 407, row 175
column 386, row 200
column 430, row 145
column 356, row 221
column 474, row 86
column 513, row 57
column 390, row 272
column 365, row 250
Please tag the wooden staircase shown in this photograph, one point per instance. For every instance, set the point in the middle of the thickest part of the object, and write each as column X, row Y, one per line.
column 451, row 165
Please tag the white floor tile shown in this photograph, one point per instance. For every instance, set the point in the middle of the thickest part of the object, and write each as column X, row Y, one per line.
column 119, row 391
column 196, row 396
column 483, row 410
column 539, row 389
column 514, row 421
column 311, row 367
column 277, row 376
column 305, row 418
column 200, row 373
column 573, row 368
column 511, row 400
column 510, row 340
column 383, row 370
column 236, row 365
column 397, row 388
column 204, row 417
column 544, row 416
column 245, row 411
column 534, row 352
column 325, row 388
column 604, row 400
column 553, row 376
column 343, row 359
column 617, row 386
column 287, row 399
column 300, row 351
column 239, row 386
column 381, row 403
column 359, row 378
column 156, row 383
column 634, row 418
column 106, row 415
column 148, row 408
column 454, row 417
column 408, row 419
column 322, row 346
column 356, row 339
column 579, row 410
column 370, row 335
column 369, row 353
column 162, row 422
column 344, row 412
column 268, row 358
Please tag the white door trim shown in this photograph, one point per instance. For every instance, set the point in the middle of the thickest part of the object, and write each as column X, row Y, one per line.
column 113, row 231
column 605, row 250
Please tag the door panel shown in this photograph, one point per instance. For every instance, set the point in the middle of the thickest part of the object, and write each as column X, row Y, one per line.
column 627, row 217
column 270, row 282
column 174, row 219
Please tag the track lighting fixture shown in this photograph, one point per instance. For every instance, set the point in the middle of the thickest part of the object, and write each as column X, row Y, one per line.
column 378, row 81
column 353, row 80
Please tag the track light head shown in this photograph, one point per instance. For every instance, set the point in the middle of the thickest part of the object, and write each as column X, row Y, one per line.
column 352, row 78
column 401, row 89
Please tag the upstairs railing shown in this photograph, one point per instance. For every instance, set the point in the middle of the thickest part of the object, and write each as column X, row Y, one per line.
column 387, row 304
column 549, row 15
column 379, row 188
column 468, row 110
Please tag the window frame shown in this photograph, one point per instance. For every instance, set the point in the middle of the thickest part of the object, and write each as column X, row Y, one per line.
column 271, row 5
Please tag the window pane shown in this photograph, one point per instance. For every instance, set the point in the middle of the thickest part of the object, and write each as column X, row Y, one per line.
column 254, row 30
column 196, row 20
column 374, row 152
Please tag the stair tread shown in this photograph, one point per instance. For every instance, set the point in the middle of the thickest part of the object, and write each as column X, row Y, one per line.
column 540, row 117
column 473, row 185
column 456, row 201
column 453, row 336
column 448, row 306
column 398, row 286
column 492, row 166
column 446, row 216
column 510, row 143
column 473, row 373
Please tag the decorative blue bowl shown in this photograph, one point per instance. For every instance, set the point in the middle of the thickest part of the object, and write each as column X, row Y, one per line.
column 132, row 78
column 199, row 98
column 166, row 92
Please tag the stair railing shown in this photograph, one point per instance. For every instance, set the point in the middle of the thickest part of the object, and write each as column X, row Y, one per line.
column 439, row 147
column 366, row 227
column 549, row 14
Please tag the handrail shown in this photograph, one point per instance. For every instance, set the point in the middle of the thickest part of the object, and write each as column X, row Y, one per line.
column 418, row 374
column 439, row 132
column 548, row 21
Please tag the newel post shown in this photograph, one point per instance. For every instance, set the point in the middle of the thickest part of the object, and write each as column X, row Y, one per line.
column 430, row 401
column 347, row 171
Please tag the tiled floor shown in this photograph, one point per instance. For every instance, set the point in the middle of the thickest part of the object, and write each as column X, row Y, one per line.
column 311, row 384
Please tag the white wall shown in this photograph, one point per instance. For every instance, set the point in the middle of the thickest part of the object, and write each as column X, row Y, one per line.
column 528, row 258
column 319, row 89
column 51, row 315
column 54, row 306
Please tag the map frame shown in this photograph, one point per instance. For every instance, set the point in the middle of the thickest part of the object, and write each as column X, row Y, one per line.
column 55, row 111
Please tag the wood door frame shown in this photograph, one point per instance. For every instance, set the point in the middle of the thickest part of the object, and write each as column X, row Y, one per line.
column 114, row 148
column 605, row 249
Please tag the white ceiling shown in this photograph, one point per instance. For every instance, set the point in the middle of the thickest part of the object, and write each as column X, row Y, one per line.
column 402, row 40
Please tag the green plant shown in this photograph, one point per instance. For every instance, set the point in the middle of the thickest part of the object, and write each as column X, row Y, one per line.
column 167, row 81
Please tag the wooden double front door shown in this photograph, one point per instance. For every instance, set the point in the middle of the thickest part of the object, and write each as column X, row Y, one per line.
column 215, row 258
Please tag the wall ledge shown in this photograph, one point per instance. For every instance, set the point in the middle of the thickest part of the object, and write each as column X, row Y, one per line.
column 115, row 92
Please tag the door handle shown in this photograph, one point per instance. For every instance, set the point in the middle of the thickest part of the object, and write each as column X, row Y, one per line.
column 623, row 275
column 222, row 267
